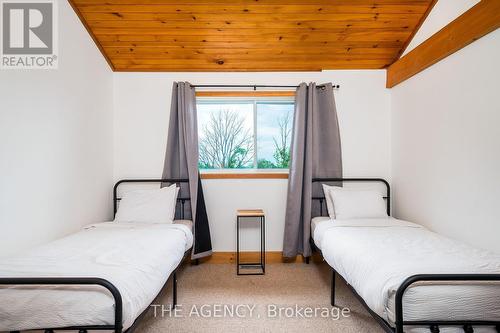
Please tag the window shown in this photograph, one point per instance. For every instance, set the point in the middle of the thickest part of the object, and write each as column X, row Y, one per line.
column 245, row 133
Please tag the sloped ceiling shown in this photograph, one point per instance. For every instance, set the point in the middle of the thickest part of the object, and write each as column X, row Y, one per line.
column 251, row 35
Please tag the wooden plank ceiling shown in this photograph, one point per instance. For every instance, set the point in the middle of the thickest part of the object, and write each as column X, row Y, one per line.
column 251, row 35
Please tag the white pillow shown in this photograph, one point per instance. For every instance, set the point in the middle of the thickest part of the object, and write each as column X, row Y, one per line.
column 153, row 206
column 329, row 200
column 357, row 204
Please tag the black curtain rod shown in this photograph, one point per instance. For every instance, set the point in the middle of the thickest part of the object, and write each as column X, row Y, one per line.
column 254, row 86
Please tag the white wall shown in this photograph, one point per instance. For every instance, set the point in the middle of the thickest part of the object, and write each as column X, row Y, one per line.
column 142, row 106
column 446, row 143
column 443, row 13
column 55, row 142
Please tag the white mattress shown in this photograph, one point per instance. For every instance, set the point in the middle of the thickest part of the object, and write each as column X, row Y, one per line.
column 376, row 256
column 137, row 258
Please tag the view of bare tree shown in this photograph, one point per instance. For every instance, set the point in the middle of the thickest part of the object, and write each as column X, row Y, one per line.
column 226, row 142
column 282, row 145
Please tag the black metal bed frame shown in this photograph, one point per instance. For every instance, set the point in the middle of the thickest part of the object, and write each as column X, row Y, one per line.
column 117, row 327
column 467, row 325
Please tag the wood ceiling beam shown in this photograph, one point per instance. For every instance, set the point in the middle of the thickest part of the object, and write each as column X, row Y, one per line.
column 478, row 21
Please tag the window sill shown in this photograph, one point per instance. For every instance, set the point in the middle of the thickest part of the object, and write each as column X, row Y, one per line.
column 244, row 175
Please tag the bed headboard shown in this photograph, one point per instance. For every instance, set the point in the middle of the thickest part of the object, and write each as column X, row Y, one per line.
column 181, row 200
column 321, row 198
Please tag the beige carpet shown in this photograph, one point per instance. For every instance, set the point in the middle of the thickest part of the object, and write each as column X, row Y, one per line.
column 283, row 285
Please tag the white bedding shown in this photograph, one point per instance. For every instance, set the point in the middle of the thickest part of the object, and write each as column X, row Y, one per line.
column 376, row 255
column 316, row 221
column 137, row 258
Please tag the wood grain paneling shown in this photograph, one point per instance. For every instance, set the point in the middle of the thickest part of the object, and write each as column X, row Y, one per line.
column 250, row 35
column 478, row 21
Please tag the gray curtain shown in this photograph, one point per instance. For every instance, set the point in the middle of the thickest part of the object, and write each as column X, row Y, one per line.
column 315, row 152
column 181, row 161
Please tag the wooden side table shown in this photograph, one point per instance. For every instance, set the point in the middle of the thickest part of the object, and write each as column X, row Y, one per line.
column 260, row 266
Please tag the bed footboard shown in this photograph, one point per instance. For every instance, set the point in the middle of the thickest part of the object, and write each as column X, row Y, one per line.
column 118, row 325
column 467, row 325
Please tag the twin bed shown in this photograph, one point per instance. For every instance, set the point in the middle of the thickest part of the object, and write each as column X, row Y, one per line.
column 405, row 275
column 103, row 277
